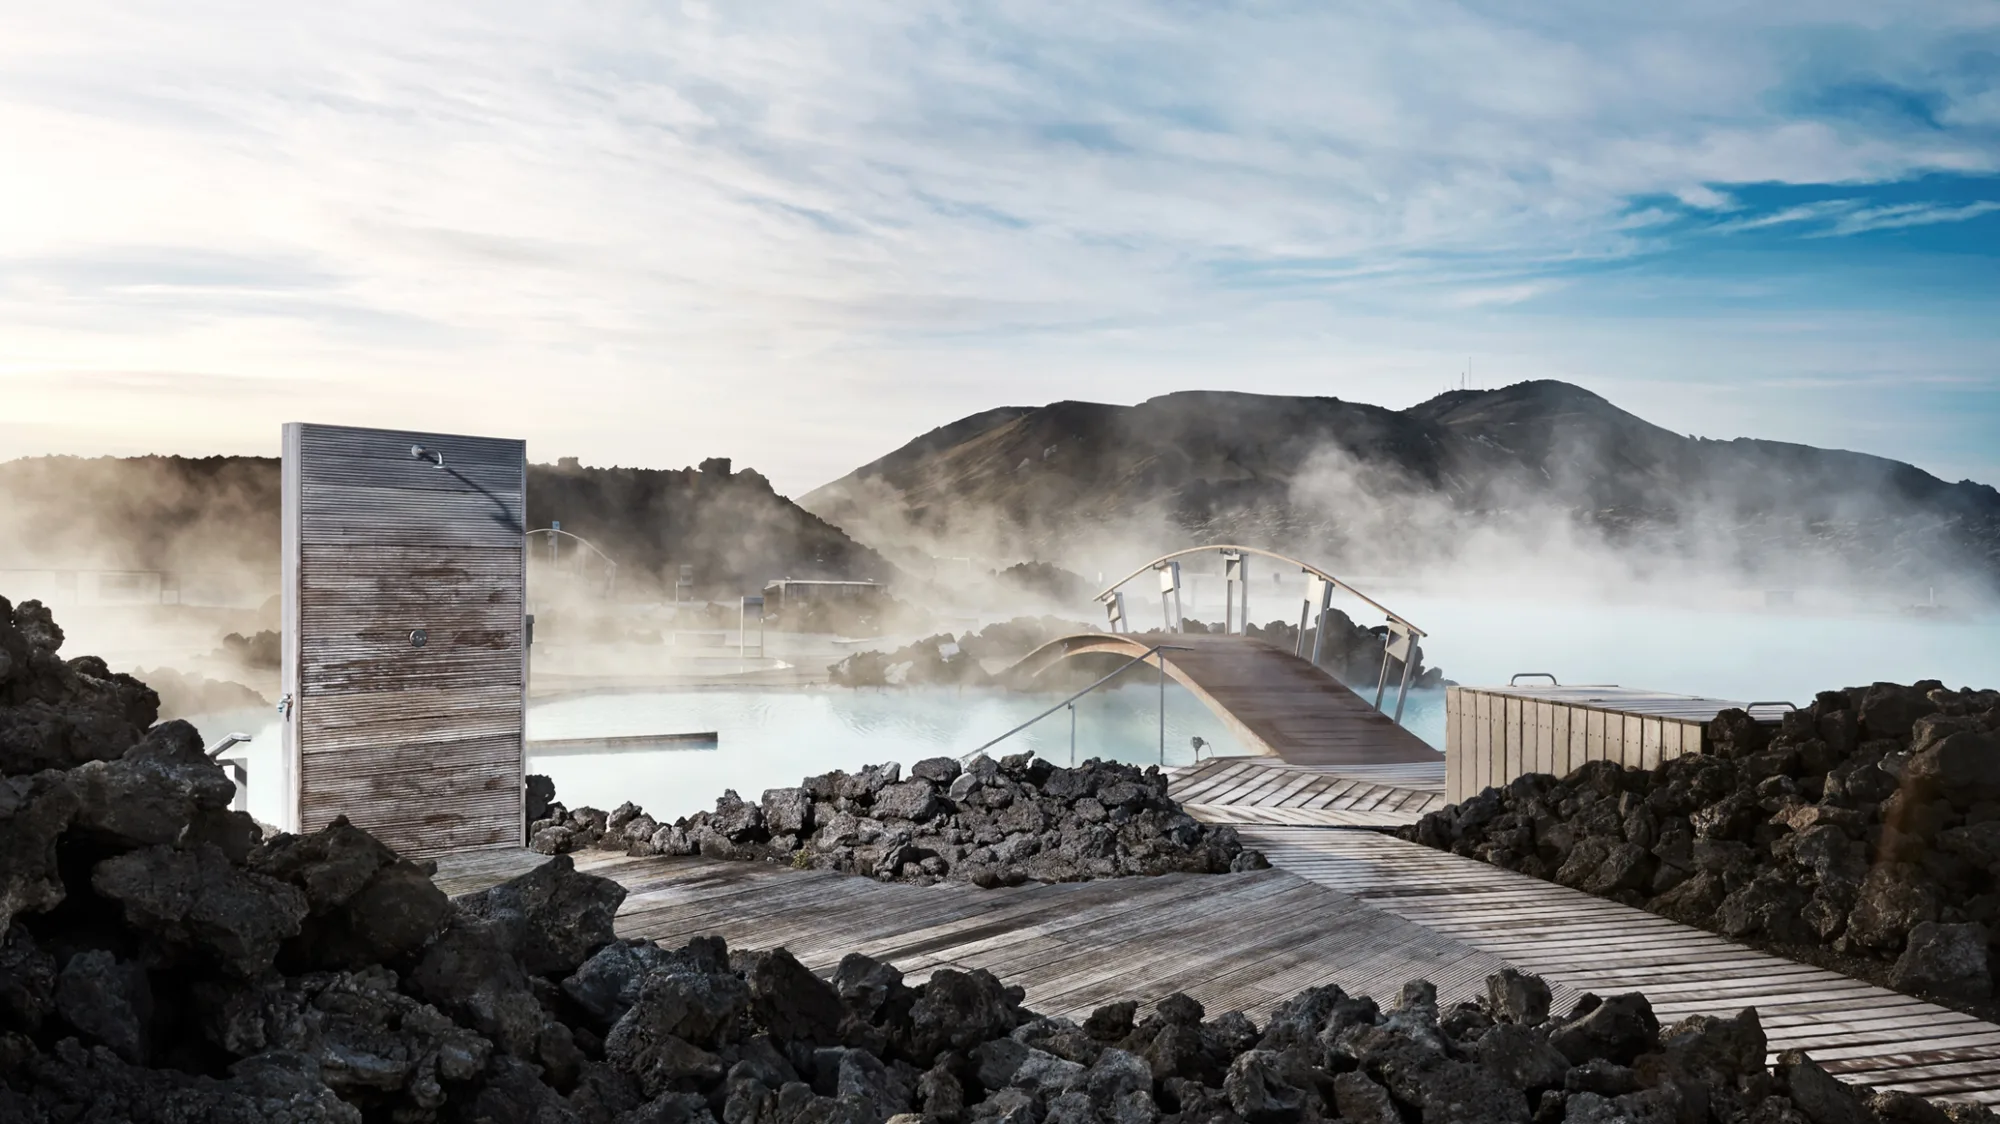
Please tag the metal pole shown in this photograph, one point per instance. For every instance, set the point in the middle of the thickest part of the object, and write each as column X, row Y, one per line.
column 1072, row 735
column 1305, row 614
column 1409, row 664
column 1163, row 709
column 1319, row 627
column 1245, row 583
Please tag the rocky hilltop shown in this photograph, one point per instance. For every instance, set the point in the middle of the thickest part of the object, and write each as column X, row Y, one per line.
column 1371, row 486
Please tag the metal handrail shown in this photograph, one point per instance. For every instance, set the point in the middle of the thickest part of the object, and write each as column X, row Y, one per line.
column 1748, row 707
column 1260, row 551
column 237, row 768
column 611, row 564
column 1520, row 675
column 1122, row 669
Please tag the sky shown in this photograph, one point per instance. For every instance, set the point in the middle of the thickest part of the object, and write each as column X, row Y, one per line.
column 800, row 234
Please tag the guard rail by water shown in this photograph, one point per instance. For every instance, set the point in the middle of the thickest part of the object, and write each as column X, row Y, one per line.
column 1070, row 702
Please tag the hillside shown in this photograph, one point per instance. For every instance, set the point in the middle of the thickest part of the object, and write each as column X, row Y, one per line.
column 220, row 515
column 1528, row 468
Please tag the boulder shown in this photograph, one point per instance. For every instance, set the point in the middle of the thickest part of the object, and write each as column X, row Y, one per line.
column 108, row 1001
column 1272, row 1087
column 789, row 1001
column 959, row 1010
column 1518, row 997
column 1618, row 1029
column 1963, row 766
column 470, row 973
column 1894, row 899
column 1815, row 1093
column 552, row 917
column 34, row 812
column 1947, row 961
column 787, row 811
column 195, row 905
column 1521, row 1057
column 607, row 985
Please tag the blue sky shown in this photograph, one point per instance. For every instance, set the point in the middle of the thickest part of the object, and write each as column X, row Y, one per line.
column 800, row 234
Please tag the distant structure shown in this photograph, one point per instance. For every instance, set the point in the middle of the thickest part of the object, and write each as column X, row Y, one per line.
column 404, row 660
column 797, row 593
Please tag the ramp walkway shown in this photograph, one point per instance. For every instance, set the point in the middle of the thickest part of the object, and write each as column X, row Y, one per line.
column 1864, row 1034
column 1235, row 942
column 1265, row 790
column 1357, row 908
column 1278, row 703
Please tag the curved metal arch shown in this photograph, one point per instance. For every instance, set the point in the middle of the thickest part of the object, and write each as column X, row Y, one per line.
column 611, row 564
column 578, row 539
column 1272, row 554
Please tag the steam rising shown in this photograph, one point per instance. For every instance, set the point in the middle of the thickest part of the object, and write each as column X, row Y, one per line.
column 1536, row 490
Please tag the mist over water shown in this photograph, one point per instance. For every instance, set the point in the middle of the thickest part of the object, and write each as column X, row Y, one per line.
column 774, row 738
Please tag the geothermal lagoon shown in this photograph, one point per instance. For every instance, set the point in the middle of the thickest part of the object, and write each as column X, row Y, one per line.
column 773, row 735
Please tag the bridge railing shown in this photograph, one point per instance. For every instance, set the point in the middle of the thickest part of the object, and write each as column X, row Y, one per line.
column 555, row 537
column 1070, row 703
column 1401, row 640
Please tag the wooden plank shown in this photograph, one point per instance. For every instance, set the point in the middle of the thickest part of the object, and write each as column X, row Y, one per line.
column 1454, row 739
column 1585, row 943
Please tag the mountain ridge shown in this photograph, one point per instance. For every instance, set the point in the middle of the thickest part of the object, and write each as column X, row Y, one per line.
column 1325, row 474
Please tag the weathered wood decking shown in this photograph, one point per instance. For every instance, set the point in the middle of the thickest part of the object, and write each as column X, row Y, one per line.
column 1865, row 1034
column 1278, row 703
column 1265, row 790
column 1356, row 908
column 1234, row 942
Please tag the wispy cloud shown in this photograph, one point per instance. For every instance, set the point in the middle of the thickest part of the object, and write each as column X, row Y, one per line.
column 1500, row 295
column 1908, row 214
column 672, row 201
column 1804, row 213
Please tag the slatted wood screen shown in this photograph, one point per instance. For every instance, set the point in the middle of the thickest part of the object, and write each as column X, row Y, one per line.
column 421, row 745
column 1493, row 735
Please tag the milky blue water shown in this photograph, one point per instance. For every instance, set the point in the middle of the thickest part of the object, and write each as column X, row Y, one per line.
column 774, row 737
column 771, row 738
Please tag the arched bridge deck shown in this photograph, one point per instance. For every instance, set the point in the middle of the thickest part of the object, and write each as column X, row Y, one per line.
column 1279, row 704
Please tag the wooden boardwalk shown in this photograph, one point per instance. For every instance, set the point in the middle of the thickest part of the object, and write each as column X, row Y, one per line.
column 1353, row 907
column 1233, row 941
column 1865, row 1034
column 1279, row 704
column 1265, row 790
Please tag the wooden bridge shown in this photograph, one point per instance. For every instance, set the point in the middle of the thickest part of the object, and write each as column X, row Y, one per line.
column 1279, row 704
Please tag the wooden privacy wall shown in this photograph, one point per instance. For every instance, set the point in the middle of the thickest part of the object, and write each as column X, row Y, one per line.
column 1494, row 734
column 404, row 593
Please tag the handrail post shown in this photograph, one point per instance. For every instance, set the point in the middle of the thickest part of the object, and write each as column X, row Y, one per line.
column 1319, row 625
column 1382, row 680
column 1410, row 660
